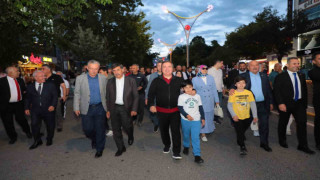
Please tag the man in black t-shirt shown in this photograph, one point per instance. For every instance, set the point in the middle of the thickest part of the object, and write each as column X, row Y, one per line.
column 58, row 82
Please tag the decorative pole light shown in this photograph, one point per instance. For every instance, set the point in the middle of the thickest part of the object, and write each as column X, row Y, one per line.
column 170, row 46
column 187, row 28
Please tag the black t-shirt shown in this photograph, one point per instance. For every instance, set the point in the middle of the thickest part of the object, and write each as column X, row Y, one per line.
column 57, row 80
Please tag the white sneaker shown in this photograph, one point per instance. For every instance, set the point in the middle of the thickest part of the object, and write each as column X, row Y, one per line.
column 204, row 139
column 109, row 134
column 288, row 133
column 256, row 133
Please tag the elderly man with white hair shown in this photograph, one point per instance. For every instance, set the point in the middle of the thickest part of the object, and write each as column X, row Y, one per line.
column 12, row 90
column 40, row 103
column 90, row 102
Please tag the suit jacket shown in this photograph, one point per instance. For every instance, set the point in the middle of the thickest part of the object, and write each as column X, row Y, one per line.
column 48, row 97
column 266, row 88
column 231, row 76
column 5, row 93
column 81, row 99
column 130, row 94
column 284, row 90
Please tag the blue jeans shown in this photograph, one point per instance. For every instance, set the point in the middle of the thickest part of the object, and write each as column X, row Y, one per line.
column 93, row 125
column 193, row 128
column 220, row 102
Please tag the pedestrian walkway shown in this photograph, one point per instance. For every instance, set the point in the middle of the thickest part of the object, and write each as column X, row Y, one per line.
column 71, row 157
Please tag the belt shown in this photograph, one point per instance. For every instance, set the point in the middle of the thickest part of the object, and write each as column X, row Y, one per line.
column 260, row 102
column 119, row 104
column 95, row 105
column 14, row 102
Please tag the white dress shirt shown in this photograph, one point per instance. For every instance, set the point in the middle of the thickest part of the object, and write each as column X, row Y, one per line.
column 218, row 77
column 37, row 85
column 293, row 83
column 13, row 90
column 119, row 89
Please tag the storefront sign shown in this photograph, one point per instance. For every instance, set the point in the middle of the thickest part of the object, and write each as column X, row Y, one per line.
column 307, row 52
column 46, row 59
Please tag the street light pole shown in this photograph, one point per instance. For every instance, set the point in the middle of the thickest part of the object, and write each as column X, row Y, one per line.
column 187, row 28
column 170, row 47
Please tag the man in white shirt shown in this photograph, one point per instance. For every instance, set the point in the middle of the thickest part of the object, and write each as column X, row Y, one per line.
column 217, row 73
column 12, row 91
column 64, row 103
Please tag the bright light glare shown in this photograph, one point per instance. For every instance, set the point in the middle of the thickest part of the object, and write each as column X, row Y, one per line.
column 165, row 9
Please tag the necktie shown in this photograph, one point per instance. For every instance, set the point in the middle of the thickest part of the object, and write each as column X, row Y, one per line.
column 39, row 89
column 18, row 89
column 296, row 88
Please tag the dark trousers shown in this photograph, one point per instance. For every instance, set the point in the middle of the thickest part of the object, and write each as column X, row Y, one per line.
column 299, row 113
column 121, row 120
column 140, row 112
column 93, row 125
column 263, row 122
column 171, row 120
column 16, row 109
column 37, row 115
column 241, row 127
column 317, row 123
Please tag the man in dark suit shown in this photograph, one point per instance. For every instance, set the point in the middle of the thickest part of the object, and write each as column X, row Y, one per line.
column 236, row 72
column 290, row 91
column 258, row 83
column 41, row 101
column 122, row 104
column 12, row 91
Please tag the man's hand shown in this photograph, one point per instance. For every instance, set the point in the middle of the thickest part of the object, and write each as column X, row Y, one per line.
column 153, row 109
column 255, row 120
column 193, row 93
column 217, row 103
column 64, row 98
column 235, row 118
column 203, row 123
column 146, row 101
column 190, row 118
column 133, row 113
column 77, row 113
column 231, row 92
column 283, row 107
column 271, row 107
column 139, row 88
column 51, row 108
column 108, row 114
column 224, row 91
column 27, row 112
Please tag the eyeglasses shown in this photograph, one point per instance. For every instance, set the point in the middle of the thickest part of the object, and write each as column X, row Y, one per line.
column 204, row 68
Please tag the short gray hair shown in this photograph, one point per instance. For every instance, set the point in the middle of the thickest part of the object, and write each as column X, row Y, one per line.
column 93, row 62
column 290, row 58
column 135, row 65
column 9, row 69
column 36, row 72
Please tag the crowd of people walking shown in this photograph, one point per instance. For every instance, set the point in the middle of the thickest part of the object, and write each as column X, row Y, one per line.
column 180, row 101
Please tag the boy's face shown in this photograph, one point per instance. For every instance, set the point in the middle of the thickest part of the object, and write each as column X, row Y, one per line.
column 188, row 89
column 241, row 84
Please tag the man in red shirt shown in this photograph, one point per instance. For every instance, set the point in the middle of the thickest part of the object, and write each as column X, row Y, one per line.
column 163, row 100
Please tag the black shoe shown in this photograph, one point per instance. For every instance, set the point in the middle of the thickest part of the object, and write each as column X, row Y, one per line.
column 243, row 150
column 93, row 144
column 49, row 143
column 284, row 145
column 166, row 150
column 266, row 147
column 185, row 151
column 155, row 129
column 306, row 150
column 198, row 159
column 29, row 135
column 318, row 146
column 35, row 144
column 244, row 138
column 12, row 141
column 59, row 129
column 41, row 134
column 98, row 154
column 176, row 156
column 119, row 152
column 130, row 141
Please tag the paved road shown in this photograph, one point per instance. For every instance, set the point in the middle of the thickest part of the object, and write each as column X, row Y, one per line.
column 71, row 157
